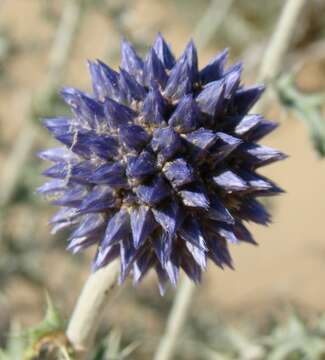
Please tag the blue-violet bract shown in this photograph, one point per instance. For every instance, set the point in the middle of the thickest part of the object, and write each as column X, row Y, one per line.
column 159, row 163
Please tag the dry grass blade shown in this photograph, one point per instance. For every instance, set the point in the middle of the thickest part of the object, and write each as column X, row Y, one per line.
column 59, row 55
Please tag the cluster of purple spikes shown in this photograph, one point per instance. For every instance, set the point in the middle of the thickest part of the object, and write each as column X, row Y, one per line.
column 159, row 163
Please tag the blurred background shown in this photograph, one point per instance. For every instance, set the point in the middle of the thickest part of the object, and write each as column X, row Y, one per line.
column 44, row 44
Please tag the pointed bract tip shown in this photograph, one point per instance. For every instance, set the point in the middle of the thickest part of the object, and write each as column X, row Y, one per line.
column 158, row 165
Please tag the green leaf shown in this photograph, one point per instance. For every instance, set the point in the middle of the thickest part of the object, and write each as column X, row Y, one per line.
column 51, row 323
column 48, row 337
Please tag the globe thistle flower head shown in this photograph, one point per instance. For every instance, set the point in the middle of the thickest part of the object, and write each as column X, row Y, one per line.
column 159, row 164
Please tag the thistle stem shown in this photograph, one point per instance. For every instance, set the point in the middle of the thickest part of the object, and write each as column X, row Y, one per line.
column 278, row 46
column 203, row 33
column 269, row 69
column 176, row 320
column 89, row 308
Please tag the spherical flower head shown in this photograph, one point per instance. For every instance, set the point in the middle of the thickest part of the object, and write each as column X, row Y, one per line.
column 159, row 163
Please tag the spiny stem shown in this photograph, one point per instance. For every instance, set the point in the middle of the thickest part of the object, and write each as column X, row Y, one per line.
column 89, row 309
column 176, row 320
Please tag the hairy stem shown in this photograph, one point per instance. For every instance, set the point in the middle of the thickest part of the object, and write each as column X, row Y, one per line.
column 278, row 46
column 89, row 308
column 176, row 320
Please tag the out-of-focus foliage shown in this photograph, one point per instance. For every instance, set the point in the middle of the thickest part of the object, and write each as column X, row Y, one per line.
column 296, row 340
column 308, row 107
column 291, row 339
column 5, row 47
column 15, row 344
column 47, row 341
column 112, row 348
